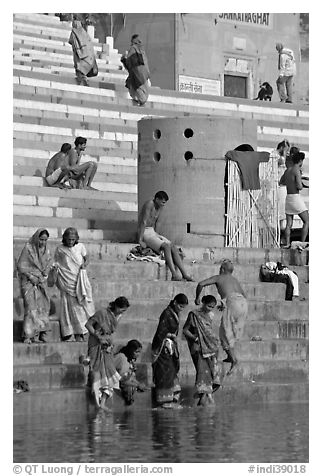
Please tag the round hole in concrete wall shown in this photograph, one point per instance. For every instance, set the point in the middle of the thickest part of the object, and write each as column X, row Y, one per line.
column 188, row 155
column 188, row 132
column 157, row 134
column 156, row 156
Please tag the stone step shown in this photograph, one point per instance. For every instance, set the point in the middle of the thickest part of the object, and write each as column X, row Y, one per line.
column 40, row 18
column 74, row 194
column 146, row 310
column 104, row 168
column 91, row 214
column 71, row 202
column 294, row 131
column 60, row 401
column 43, row 153
column 121, row 188
column 239, row 256
column 29, row 111
column 105, row 75
column 98, row 152
column 168, row 289
column 30, row 170
column 117, row 132
column 45, row 58
column 168, row 101
column 84, row 234
column 52, row 38
column 143, row 330
column 111, row 230
column 127, row 269
column 46, row 376
column 71, row 352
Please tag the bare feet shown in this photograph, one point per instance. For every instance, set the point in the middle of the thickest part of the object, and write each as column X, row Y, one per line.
column 188, row 278
column 176, row 277
column 233, row 365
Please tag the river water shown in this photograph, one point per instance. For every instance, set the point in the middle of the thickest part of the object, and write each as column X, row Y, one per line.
column 274, row 432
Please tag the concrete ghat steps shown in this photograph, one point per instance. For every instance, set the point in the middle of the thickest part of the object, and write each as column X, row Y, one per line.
column 145, row 329
column 70, row 352
column 112, row 94
column 104, row 250
column 150, row 310
column 47, row 376
column 63, row 400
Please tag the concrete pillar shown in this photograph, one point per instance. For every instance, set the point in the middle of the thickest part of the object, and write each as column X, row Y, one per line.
column 185, row 158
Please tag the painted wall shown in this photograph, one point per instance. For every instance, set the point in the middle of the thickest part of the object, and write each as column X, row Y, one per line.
column 204, row 45
column 156, row 31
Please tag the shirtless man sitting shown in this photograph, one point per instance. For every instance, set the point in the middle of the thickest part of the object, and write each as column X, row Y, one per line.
column 148, row 236
column 57, row 169
column 294, row 203
column 81, row 175
column 234, row 308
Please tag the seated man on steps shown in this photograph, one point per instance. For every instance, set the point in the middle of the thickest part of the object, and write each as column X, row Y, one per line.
column 65, row 166
column 57, row 169
column 148, row 236
column 81, row 175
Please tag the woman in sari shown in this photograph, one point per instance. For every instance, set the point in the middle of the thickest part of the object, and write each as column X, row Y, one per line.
column 201, row 332
column 136, row 63
column 124, row 361
column 76, row 304
column 33, row 266
column 103, row 374
column 83, row 52
column 165, row 354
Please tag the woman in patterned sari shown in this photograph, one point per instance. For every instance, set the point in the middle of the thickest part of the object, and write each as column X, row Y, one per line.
column 165, row 354
column 125, row 364
column 33, row 266
column 103, row 374
column 76, row 304
column 202, row 334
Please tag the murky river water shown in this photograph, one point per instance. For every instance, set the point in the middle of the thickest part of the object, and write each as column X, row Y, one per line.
column 275, row 432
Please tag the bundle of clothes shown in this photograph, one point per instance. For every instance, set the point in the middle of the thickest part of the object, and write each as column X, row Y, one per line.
column 145, row 254
column 272, row 272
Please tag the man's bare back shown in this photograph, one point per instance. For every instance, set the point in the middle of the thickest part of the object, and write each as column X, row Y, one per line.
column 59, row 160
column 227, row 285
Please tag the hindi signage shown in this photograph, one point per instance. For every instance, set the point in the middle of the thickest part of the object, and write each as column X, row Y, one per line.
column 191, row 84
column 256, row 19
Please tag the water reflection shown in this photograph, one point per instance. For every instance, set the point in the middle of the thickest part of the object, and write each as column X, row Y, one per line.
column 261, row 433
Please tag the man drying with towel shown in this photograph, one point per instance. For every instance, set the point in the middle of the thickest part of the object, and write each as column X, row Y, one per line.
column 294, row 203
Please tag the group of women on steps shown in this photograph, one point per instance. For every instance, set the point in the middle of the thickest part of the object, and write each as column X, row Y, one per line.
column 111, row 372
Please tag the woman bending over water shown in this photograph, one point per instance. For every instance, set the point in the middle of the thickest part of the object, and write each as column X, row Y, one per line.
column 104, row 376
column 202, row 334
column 125, row 364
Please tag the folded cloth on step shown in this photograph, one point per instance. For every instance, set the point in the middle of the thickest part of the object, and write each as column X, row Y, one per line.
column 145, row 254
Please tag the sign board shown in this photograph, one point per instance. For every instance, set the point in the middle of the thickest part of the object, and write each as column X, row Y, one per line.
column 191, row 84
column 255, row 19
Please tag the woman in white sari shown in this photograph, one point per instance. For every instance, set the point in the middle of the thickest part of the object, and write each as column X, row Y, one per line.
column 76, row 304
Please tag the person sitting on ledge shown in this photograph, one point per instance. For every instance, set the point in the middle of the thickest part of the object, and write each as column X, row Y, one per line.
column 57, row 172
column 64, row 166
column 81, row 175
column 147, row 235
